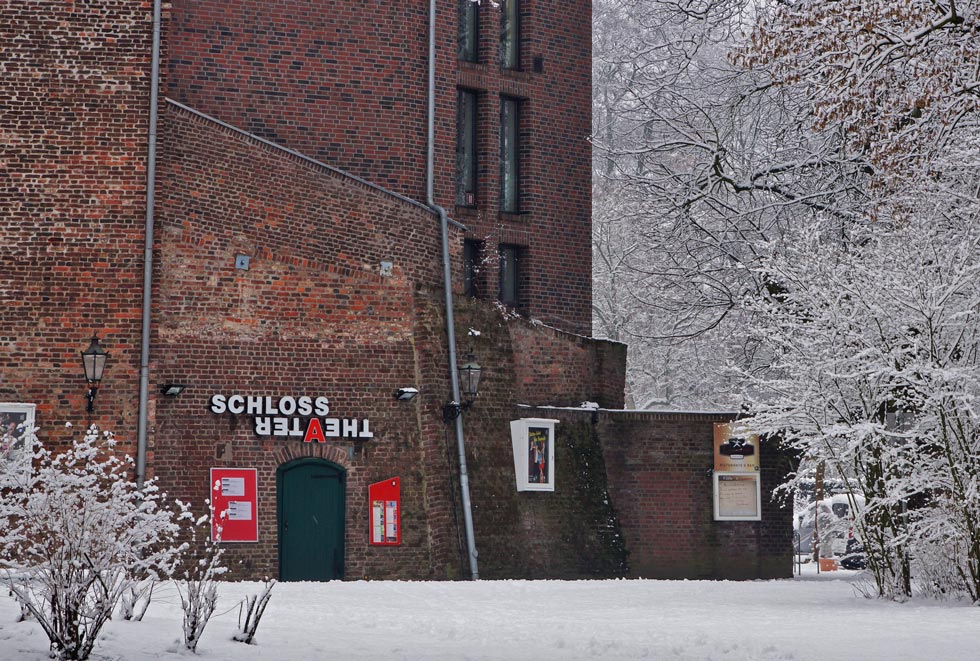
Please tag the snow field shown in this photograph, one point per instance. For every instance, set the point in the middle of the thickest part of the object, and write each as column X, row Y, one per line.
column 816, row 618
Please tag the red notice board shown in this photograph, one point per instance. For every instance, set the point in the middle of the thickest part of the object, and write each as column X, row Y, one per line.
column 385, row 507
column 234, row 496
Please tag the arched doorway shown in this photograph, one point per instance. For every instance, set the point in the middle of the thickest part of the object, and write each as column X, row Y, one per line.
column 311, row 518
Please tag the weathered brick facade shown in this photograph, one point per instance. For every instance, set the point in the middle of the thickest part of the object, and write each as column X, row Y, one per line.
column 633, row 493
column 659, row 467
column 342, row 295
column 346, row 83
column 74, row 95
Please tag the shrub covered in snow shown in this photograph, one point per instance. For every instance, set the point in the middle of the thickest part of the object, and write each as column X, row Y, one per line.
column 198, row 587
column 76, row 534
column 251, row 609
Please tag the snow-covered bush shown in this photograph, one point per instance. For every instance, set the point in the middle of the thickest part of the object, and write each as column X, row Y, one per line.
column 198, row 586
column 874, row 352
column 135, row 601
column 74, row 532
column 252, row 608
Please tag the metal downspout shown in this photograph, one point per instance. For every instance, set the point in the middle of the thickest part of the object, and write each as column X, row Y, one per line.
column 464, row 483
column 151, row 166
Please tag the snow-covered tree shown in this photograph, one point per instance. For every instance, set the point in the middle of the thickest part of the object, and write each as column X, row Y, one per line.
column 794, row 185
column 898, row 78
column 699, row 161
column 76, row 534
column 875, row 374
column 871, row 325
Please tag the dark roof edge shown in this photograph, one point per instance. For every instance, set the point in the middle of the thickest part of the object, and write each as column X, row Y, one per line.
column 310, row 160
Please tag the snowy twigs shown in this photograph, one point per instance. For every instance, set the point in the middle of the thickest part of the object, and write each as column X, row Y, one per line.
column 198, row 589
column 253, row 607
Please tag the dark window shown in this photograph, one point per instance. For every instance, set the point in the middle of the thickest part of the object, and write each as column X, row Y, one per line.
column 468, row 39
column 466, row 149
column 471, row 267
column 510, row 34
column 509, row 276
column 509, row 155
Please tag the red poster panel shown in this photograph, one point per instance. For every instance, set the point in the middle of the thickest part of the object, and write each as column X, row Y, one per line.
column 234, row 495
column 385, row 507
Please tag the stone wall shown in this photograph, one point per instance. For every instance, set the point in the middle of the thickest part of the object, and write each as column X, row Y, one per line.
column 659, row 467
column 73, row 140
column 312, row 315
column 347, row 84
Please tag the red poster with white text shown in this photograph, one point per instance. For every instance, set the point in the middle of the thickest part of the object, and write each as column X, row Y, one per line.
column 385, row 505
column 234, row 496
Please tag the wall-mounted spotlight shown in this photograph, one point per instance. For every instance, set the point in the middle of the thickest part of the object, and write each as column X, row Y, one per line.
column 172, row 389
column 406, row 394
column 93, row 362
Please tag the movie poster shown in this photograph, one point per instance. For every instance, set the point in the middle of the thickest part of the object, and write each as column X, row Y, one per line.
column 736, row 450
column 16, row 427
column 538, row 446
column 533, row 440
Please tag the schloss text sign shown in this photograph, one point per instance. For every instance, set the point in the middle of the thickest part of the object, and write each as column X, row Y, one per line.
column 292, row 417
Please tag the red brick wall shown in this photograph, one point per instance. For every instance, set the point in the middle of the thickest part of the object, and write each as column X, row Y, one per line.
column 343, row 82
column 311, row 316
column 347, row 84
column 554, row 226
column 559, row 369
column 659, row 467
column 73, row 133
column 570, row 533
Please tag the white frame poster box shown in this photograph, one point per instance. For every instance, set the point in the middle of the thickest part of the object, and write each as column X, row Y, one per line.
column 738, row 496
column 533, row 441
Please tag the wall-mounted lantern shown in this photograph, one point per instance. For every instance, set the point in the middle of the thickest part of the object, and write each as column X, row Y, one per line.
column 93, row 361
column 469, row 378
column 469, row 385
column 172, row 389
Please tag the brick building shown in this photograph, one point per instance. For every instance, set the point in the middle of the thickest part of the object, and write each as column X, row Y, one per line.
column 270, row 239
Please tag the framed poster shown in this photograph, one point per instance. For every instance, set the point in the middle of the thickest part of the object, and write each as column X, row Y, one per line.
column 533, row 440
column 738, row 496
column 16, row 428
column 234, row 495
column 385, row 504
column 736, row 450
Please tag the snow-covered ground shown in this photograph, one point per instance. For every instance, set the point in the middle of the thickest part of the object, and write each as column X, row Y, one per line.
column 815, row 617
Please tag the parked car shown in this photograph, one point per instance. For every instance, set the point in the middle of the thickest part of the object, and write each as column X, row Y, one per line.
column 835, row 526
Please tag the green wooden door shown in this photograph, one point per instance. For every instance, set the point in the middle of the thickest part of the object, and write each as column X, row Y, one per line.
column 311, row 520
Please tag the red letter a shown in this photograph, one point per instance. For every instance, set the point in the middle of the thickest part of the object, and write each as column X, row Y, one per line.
column 314, row 431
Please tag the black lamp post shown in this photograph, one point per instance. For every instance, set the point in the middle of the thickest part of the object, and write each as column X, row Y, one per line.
column 93, row 361
column 469, row 384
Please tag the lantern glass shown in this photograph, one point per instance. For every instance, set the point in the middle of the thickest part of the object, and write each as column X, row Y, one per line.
column 94, row 360
column 469, row 377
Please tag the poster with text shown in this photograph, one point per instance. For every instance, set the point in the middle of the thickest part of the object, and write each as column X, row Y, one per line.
column 736, row 450
column 538, row 448
column 16, row 429
column 234, row 496
column 533, row 441
column 737, row 497
column 385, row 501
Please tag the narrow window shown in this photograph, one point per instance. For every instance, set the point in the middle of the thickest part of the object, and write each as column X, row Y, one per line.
column 510, row 34
column 468, row 39
column 509, row 155
column 471, row 267
column 509, row 276
column 466, row 149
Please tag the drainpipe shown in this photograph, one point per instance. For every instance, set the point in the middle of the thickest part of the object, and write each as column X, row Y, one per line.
column 464, row 482
column 151, row 167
